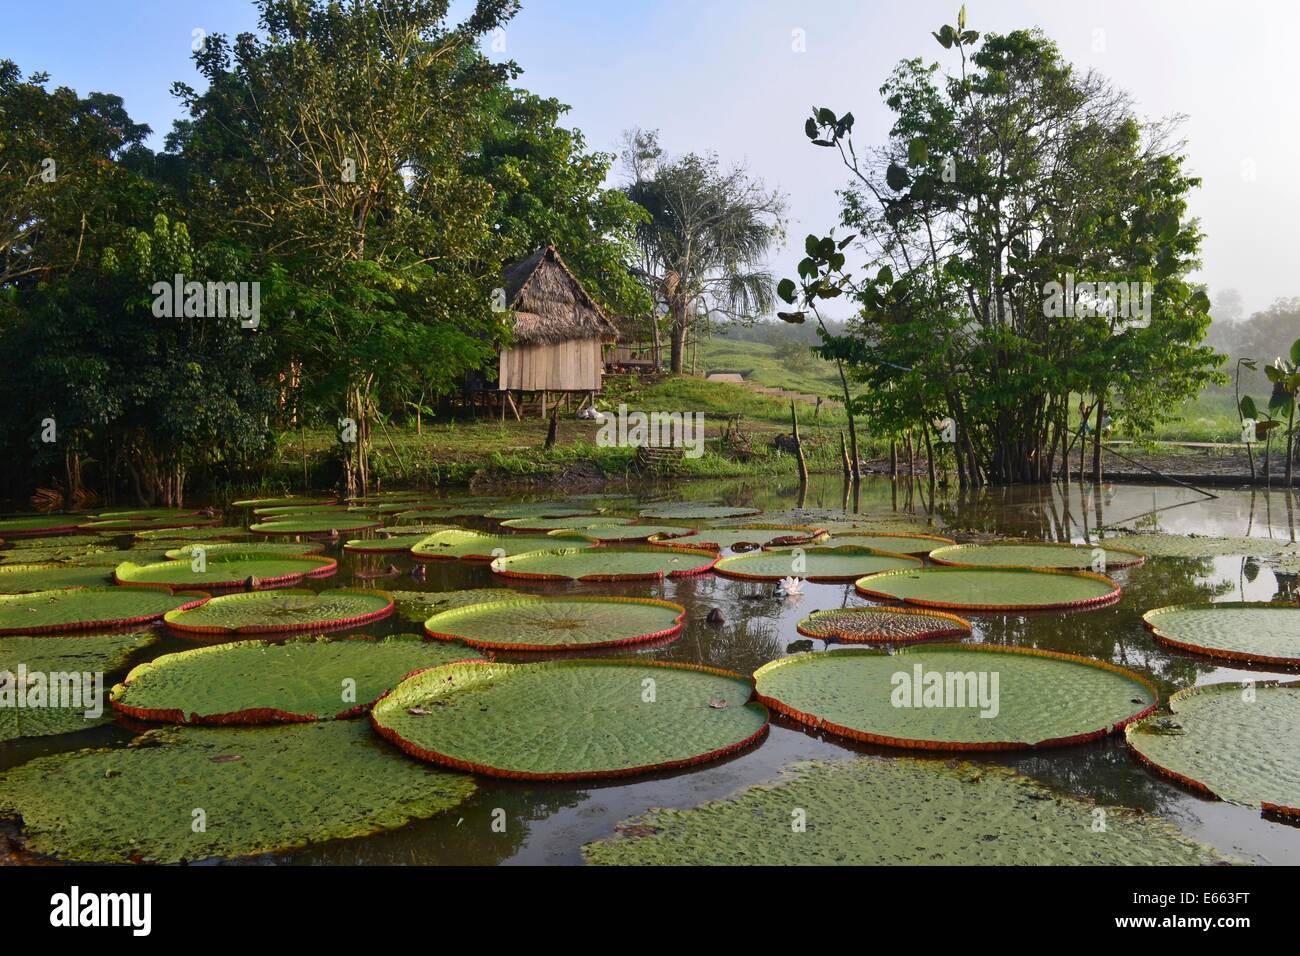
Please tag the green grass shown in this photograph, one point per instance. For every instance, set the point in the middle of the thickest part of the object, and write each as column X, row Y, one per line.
column 792, row 368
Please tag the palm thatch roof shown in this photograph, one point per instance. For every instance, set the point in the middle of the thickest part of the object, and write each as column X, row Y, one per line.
column 550, row 304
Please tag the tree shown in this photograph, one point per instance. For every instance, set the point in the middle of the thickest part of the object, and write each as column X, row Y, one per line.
column 703, row 249
column 1029, row 243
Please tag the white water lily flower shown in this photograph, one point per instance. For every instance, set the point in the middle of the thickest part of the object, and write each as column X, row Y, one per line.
column 791, row 586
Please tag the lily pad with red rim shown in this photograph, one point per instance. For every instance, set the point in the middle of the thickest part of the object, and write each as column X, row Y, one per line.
column 267, row 612
column 90, row 609
column 22, row 578
column 887, row 541
column 226, row 569
column 757, row 535
column 701, row 512
column 882, row 625
column 570, row 719
column 991, row 589
column 289, row 501
column 211, row 548
column 31, row 526
column 956, row 696
column 327, row 524
column 606, row 563
column 1037, row 554
column 1253, row 631
column 558, row 624
column 458, row 543
column 812, row 564
column 578, row 522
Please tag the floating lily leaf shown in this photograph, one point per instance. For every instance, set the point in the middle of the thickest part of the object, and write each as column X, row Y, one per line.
column 562, row 524
column 624, row 563
column 265, row 612
column 1178, row 546
column 1239, row 631
column 282, row 511
column 289, row 501
column 541, row 509
column 59, row 541
column 866, row 812
column 253, row 682
column 145, row 514
column 627, row 532
column 417, row 606
column 992, row 589
column 813, row 564
column 390, row 543
column 758, row 535
column 558, row 624
column 78, row 655
column 20, row 578
column 212, row 548
column 1231, row 743
column 474, row 546
column 227, row 569
column 324, row 781
column 144, row 523
column 870, row 625
column 431, row 513
column 888, row 541
column 944, row 697
column 210, row 533
column 570, row 719
column 315, row 524
column 89, row 609
column 110, row 559
column 690, row 512
column 1038, row 554
column 46, row 554
column 35, row 525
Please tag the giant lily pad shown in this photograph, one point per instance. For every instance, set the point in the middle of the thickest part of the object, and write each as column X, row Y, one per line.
column 63, row 692
column 757, row 535
column 35, row 525
column 417, row 606
column 626, row 532
column 290, row 502
column 212, row 548
column 992, row 589
column 558, row 624
column 20, row 578
column 894, row 541
column 690, row 512
column 227, row 569
column 266, row 612
column 1239, row 631
column 882, row 625
column 258, row 789
column 874, row 812
column 89, row 609
column 105, row 524
column 389, row 543
column 473, row 546
column 1233, row 742
column 253, row 682
column 625, row 563
column 1198, row 546
column 293, row 511
column 540, row 509
column 956, row 696
column 570, row 719
column 1038, row 554
column 563, row 524
column 315, row 524
column 209, row 533
column 52, row 553
column 813, row 564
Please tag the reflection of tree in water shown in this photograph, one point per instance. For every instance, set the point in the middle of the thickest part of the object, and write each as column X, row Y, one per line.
column 1117, row 633
column 744, row 643
column 462, row 836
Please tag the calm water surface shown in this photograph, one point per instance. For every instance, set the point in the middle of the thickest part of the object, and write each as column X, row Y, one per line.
column 549, row 823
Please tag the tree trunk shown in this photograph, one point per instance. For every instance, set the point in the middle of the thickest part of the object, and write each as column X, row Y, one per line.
column 798, row 447
column 1096, row 442
column 678, row 347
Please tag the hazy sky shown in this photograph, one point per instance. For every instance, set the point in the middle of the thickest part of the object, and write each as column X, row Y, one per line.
column 722, row 75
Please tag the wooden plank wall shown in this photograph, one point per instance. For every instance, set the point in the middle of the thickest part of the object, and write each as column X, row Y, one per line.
column 574, row 365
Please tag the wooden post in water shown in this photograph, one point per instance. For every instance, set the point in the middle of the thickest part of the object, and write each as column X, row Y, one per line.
column 798, row 446
column 844, row 454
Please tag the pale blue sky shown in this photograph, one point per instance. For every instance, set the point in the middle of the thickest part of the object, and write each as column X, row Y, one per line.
column 722, row 75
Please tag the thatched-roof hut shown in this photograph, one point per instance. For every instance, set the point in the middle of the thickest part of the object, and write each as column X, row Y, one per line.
column 559, row 330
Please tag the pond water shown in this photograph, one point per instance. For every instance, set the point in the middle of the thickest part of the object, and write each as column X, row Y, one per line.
column 548, row 823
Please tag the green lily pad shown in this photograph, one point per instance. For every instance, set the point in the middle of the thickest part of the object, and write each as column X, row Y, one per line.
column 558, row 624
column 266, row 612
column 956, row 696
column 59, row 541
column 284, row 502
column 1195, row 546
column 758, row 535
column 253, row 682
column 473, row 546
column 690, row 512
column 89, row 609
column 888, row 541
column 1100, row 557
column 143, row 523
column 388, row 544
column 417, row 606
column 111, row 559
column 293, row 511
column 210, row 533
column 227, row 569
column 47, row 554
column 561, row 524
column 20, row 578
column 871, row 625
column 431, row 513
column 35, row 525
column 1233, row 742
column 214, row 548
column 63, row 707
column 992, row 589
column 1252, row 631
column 624, row 563
column 540, row 509
column 147, row 513
column 812, row 564
column 570, row 719
column 625, row 532
column 256, row 789
column 316, row 524
column 899, row 812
